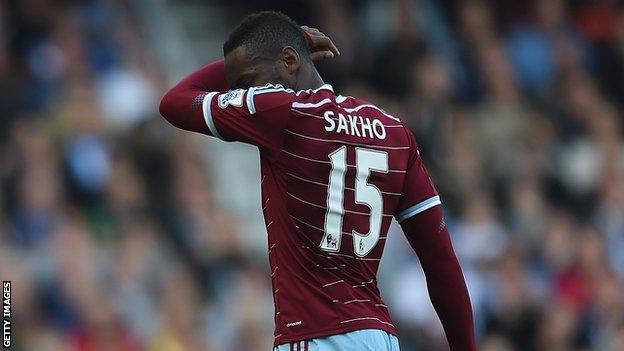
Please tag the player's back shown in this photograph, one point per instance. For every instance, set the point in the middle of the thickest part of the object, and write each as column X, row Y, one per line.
column 335, row 170
column 344, row 162
column 340, row 174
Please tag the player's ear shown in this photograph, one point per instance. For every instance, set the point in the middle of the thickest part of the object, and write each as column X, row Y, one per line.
column 290, row 59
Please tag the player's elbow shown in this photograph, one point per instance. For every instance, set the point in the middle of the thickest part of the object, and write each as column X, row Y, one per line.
column 166, row 108
column 171, row 110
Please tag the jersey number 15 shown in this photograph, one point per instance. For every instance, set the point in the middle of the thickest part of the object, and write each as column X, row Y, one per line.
column 366, row 160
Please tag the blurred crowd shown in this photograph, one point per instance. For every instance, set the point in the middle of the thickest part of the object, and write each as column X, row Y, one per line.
column 112, row 235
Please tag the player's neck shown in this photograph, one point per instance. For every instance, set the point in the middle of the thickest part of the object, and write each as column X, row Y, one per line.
column 312, row 80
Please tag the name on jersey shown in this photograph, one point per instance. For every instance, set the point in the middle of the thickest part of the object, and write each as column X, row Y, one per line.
column 354, row 125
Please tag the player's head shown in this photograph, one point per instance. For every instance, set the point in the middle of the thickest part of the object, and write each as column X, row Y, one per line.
column 266, row 47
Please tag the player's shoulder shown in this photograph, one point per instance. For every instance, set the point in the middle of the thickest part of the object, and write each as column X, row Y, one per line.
column 354, row 104
column 361, row 107
column 279, row 89
column 276, row 94
column 258, row 98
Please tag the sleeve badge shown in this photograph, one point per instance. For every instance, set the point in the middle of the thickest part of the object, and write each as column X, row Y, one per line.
column 232, row 97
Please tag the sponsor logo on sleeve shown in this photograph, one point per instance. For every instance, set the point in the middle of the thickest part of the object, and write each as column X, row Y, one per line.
column 232, row 97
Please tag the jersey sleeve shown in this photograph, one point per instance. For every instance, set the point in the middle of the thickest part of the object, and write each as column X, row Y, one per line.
column 256, row 116
column 419, row 193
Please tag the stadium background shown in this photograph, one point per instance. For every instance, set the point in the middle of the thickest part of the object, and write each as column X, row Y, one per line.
column 120, row 232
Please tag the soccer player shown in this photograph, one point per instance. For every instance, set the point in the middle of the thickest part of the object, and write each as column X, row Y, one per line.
column 335, row 170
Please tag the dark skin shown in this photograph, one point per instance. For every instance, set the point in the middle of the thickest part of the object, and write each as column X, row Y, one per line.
column 286, row 68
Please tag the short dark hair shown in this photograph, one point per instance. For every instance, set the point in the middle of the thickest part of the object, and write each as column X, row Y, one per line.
column 267, row 33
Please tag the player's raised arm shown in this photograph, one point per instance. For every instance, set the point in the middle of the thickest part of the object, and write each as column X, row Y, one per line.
column 182, row 105
column 202, row 103
column 258, row 64
column 420, row 215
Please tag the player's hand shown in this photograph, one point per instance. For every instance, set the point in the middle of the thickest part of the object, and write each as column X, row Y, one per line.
column 321, row 47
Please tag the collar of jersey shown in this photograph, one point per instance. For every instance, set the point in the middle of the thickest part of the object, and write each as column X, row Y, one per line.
column 322, row 87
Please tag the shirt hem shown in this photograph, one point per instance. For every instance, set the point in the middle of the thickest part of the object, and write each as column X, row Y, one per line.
column 333, row 331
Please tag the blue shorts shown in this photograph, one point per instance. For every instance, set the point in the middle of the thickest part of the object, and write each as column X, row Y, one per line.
column 359, row 340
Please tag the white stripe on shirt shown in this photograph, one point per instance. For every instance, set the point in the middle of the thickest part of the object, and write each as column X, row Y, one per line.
column 311, row 104
column 208, row 115
column 357, row 108
column 418, row 208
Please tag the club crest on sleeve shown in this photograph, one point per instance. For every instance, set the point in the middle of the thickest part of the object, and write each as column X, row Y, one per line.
column 232, row 97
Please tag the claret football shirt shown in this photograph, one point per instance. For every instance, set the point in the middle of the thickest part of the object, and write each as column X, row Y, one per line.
column 335, row 170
